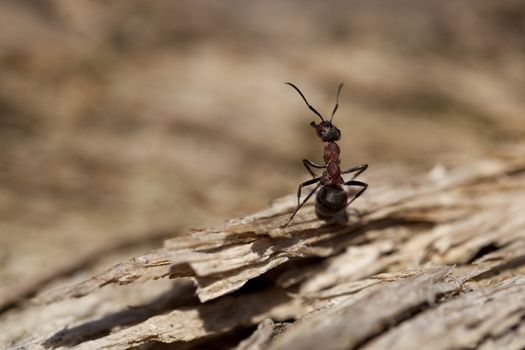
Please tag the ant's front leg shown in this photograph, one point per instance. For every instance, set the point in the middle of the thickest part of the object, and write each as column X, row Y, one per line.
column 308, row 164
column 357, row 169
column 299, row 204
column 363, row 186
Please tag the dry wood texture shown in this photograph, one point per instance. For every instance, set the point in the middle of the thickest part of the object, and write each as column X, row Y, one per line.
column 436, row 262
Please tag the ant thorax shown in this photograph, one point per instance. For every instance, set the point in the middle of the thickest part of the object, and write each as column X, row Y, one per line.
column 332, row 174
column 331, row 153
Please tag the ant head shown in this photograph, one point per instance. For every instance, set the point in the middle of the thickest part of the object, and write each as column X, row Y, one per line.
column 326, row 131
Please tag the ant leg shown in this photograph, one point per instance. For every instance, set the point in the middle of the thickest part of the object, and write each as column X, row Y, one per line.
column 306, row 183
column 363, row 186
column 357, row 169
column 307, row 164
column 299, row 204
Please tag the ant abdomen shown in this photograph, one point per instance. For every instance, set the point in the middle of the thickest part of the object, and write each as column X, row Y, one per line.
column 331, row 202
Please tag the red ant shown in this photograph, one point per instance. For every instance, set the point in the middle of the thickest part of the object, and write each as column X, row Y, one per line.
column 332, row 199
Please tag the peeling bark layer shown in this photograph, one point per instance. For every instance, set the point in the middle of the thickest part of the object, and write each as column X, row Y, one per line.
column 436, row 263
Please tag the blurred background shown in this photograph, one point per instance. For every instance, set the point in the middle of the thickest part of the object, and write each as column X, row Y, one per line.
column 124, row 122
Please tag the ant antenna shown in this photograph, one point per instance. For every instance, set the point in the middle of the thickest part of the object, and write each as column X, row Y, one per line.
column 336, row 101
column 304, row 98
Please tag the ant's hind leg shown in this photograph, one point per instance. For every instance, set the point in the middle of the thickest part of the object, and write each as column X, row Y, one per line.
column 307, row 164
column 306, row 183
column 363, row 186
column 299, row 203
column 357, row 169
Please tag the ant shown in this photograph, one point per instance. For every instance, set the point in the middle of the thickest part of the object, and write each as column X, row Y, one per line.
column 332, row 199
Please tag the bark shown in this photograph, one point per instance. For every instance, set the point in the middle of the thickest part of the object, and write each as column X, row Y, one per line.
column 435, row 263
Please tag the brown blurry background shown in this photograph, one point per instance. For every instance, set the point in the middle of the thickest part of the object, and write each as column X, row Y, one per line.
column 122, row 122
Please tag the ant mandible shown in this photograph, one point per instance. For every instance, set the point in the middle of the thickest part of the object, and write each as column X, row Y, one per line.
column 332, row 199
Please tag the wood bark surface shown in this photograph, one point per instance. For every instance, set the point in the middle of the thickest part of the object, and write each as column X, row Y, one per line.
column 436, row 262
